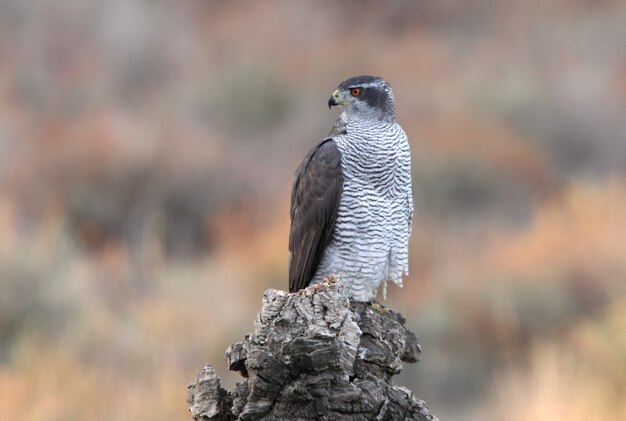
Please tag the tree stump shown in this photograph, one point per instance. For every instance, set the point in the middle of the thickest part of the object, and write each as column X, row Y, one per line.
column 314, row 355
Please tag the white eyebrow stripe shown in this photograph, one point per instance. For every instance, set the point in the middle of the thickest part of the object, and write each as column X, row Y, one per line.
column 367, row 85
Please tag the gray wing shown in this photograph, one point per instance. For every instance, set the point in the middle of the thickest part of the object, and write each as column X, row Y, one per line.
column 315, row 197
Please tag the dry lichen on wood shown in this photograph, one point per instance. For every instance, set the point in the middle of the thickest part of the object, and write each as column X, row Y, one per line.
column 315, row 355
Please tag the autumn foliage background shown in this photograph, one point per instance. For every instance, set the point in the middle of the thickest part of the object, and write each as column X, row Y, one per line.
column 146, row 156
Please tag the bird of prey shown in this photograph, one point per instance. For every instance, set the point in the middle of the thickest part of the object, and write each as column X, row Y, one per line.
column 351, row 201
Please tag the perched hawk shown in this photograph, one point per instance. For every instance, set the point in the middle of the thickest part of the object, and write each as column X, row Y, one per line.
column 351, row 201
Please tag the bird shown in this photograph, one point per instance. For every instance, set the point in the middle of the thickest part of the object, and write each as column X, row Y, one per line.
column 351, row 199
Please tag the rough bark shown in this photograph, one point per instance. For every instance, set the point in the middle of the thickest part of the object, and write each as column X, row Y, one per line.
column 315, row 356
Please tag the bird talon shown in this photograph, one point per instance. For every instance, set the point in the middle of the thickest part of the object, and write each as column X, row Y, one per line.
column 379, row 307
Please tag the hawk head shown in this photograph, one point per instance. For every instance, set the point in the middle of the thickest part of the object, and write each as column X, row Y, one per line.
column 365, row 97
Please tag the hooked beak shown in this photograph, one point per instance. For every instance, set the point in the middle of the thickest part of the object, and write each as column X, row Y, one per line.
column 334, row 99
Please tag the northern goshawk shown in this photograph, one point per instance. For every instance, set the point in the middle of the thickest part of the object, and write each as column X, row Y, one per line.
column 351, row 201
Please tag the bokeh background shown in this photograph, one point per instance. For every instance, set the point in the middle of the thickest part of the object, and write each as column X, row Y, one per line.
column 146, row 156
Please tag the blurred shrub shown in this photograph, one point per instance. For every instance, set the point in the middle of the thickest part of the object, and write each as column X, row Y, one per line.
column 583, row 377
column 578, row 139
column 467, row 191
column 515, row 311
column 473, row 332
column 167, row 205
column 246, row 101
column 29, row 302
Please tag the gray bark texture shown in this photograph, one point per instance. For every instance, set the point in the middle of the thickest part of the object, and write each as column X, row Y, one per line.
column 314, row 355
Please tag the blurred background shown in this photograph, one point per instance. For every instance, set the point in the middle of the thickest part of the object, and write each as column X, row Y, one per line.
column 146, row 156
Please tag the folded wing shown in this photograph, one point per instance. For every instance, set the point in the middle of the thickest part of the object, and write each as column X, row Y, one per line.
column 315, row 197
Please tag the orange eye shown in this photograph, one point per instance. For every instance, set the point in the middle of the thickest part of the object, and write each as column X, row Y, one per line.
column 355, row 91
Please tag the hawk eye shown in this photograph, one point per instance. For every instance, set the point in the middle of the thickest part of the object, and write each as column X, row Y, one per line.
column 355, row 91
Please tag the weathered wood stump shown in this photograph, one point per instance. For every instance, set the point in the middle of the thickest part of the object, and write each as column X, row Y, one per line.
column 315, row 356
